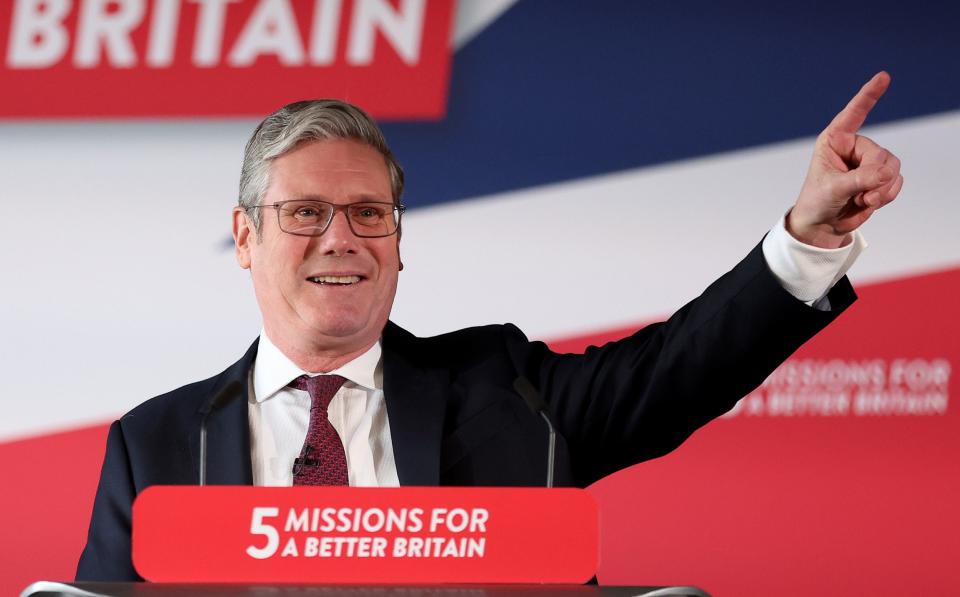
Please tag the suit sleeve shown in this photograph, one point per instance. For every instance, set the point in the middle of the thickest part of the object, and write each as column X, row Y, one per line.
column 106, row 556
column 640, row 397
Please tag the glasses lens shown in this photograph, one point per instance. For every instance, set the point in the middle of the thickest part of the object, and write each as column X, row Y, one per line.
column 373, row 219
column 304, row 217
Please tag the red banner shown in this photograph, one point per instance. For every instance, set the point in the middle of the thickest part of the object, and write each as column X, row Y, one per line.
column 365, row 535
column 222, row 57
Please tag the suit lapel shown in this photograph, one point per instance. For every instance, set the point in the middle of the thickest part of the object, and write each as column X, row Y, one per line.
column 415, row 397
column 228, row 429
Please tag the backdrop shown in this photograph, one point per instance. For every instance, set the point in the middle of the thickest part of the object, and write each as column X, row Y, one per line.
column 578, row 168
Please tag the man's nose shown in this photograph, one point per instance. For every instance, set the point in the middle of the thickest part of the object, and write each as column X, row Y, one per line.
column 338, row 238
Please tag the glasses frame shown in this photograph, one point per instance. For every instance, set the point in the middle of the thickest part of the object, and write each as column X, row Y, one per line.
column 337, row 207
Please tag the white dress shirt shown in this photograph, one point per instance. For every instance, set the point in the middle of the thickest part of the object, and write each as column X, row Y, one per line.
column 805, row 271
column 279, row 415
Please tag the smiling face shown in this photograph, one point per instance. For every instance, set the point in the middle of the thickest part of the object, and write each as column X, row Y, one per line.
column 324, row 299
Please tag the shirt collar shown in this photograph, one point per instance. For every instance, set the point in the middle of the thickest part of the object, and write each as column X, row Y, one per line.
column 272, row 370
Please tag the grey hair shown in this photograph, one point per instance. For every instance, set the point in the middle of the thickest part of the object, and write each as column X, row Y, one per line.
column 282, row 131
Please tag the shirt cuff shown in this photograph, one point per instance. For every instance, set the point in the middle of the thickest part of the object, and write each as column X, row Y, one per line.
column 805, row 271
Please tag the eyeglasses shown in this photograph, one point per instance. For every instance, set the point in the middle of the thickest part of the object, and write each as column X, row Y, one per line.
column 312, row 217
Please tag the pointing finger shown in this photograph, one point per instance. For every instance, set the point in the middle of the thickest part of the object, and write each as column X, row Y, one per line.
column 852, row 117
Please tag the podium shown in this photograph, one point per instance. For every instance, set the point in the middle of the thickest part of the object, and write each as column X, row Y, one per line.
column 347, row 541
column 88, row 589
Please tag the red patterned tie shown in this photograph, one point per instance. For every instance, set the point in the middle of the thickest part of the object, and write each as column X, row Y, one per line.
column 322, row 460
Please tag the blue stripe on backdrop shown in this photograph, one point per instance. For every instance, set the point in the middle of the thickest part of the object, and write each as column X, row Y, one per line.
column 560, row 89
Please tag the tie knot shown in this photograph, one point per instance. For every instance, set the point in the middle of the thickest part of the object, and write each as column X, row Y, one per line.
column 321, row 388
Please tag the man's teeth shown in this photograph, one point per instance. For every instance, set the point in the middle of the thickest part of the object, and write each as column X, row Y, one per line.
column 335, row 279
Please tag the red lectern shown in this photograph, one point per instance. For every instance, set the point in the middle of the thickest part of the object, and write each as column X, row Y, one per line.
column 349, row 541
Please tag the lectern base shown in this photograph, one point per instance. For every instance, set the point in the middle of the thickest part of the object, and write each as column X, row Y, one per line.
column 122, row 589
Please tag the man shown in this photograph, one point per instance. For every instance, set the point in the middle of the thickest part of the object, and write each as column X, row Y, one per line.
column 332, row 392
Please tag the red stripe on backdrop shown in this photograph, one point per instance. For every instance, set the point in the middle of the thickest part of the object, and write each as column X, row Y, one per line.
column 49, row 484
column 804, row 497
column 784, row 500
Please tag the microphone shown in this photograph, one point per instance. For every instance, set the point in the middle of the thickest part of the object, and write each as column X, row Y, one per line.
column 304, row 460
column 219, row 399
column 530, row 395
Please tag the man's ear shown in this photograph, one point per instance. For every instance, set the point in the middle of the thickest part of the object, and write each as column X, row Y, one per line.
column 243, row 235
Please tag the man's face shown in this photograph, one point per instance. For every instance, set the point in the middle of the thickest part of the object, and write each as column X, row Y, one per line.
column 297, row 310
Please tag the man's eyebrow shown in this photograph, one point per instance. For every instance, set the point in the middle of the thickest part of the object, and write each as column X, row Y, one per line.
column 308, row 197
column 358, row 198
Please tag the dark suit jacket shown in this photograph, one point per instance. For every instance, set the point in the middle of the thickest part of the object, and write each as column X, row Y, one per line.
column 456, row 420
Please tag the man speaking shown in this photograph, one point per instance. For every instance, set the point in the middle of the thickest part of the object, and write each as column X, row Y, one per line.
column 334, row 393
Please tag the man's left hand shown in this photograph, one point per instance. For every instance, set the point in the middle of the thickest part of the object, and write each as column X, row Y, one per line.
column 850, row 176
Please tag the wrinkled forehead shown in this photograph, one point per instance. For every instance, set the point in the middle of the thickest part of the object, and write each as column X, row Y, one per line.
column 334, row 170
